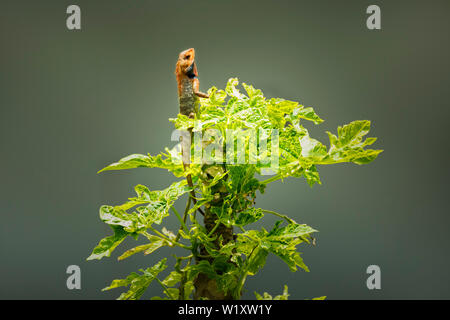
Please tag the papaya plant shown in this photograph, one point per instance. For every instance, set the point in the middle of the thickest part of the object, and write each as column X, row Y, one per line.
column 238, row 139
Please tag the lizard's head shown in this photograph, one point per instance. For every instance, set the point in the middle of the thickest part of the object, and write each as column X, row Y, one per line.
column 186, row 60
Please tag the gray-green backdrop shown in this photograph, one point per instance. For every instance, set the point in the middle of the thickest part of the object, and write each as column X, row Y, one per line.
column 75, row 101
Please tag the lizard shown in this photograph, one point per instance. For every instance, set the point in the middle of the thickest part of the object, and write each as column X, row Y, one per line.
column 188, row 94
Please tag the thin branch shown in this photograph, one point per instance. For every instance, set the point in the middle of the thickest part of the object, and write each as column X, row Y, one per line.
column 186, row 210
column 274, row 178
column 169, row 240
column 165, row 288
column 214, row 229
column 241, row 281
column 182, row 222
column 279, row 215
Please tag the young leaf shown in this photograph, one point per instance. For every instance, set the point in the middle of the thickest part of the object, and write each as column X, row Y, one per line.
column 163, row 161
column 138, row 283
column 129, row 162
column 172, row 279
column 267, row 296
column 156, row 243
column 107, row 245
column 291, row 231
column 308, row 114
column 248, row 216
column 348, row 146
column 154, row 207
column 283, row 296
column 257, row 260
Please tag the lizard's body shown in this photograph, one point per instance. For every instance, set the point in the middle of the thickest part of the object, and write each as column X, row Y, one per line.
column 188, row 83
column 186, row 97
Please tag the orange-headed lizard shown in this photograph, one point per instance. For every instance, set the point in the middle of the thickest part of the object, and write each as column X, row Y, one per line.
column 188, row 93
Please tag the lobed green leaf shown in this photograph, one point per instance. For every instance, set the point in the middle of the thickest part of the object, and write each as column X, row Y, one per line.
column 107, row 245
column 138, row 283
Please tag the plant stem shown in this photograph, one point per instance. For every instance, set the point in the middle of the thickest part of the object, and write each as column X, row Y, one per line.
column 165, row 288
column 183, row 224
column 274, row 178
column 214, row 229
column 237, row 294
column 186, row 258
column 279, row 215
column 188, row 205
column 169, row 240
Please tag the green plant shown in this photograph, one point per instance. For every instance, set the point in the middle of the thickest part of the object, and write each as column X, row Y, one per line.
column 219, row 259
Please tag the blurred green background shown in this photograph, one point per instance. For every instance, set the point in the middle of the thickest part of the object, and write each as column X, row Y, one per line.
column 75, row 101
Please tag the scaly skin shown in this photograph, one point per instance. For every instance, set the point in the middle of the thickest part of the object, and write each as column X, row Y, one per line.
column 188, row 83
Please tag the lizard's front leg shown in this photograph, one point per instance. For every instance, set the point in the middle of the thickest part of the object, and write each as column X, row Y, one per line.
column 196, row 86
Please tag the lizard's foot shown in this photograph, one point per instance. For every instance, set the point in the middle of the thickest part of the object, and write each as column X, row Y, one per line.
column 201, row 94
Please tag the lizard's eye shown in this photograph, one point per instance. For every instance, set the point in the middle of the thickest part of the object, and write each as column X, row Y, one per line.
column 187, row 57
